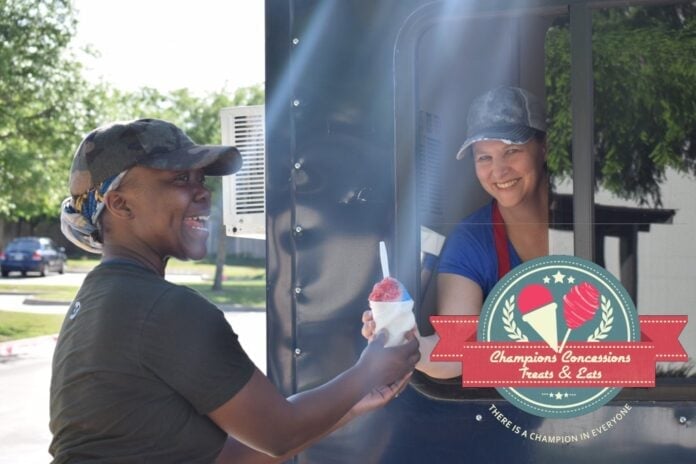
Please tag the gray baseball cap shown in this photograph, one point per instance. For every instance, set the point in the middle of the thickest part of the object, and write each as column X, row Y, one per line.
column 509, row 114
column 111, row 149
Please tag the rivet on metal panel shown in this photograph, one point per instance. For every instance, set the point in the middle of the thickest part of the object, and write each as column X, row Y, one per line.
column 298, row 351
column 295, row 41
column 296, row 102
column 298, row 290
column 298, row 229
column 683, row 420
column 297, row 165
column 479, row 417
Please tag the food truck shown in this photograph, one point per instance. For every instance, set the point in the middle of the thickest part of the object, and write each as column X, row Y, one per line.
column 366, row 107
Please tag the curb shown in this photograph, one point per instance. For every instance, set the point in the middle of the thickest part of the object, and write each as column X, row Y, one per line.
column 37, row 302
column 173, row 271
column 14, row 348
column 223, row 307
column 234, row 308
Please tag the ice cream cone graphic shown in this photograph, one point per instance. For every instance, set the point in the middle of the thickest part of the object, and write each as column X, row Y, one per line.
column 538, row 309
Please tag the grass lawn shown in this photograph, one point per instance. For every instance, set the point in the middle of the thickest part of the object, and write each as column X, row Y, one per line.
column 243, row 285
column 245, row 293
column 241, row 292
column 14, row 326
column 46, row 292
column 246, row 269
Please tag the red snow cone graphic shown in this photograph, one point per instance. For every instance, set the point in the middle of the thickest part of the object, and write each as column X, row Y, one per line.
column 538, row 309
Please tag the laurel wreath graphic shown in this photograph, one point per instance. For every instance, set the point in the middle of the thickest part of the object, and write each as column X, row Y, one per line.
column 509, row 323
column 605, row 325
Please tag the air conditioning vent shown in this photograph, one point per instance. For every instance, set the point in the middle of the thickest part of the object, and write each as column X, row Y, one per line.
column 244, row 199
column 429, row 164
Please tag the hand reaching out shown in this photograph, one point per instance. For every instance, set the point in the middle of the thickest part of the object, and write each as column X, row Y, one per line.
column 384, row 366
column 369, row 326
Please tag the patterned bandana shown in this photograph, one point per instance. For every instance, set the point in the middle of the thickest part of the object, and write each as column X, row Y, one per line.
column 79, row 214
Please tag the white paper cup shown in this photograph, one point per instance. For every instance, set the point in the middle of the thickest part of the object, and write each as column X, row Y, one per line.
column 396, row 317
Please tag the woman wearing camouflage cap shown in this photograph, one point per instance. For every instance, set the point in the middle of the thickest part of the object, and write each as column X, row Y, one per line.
column 506, row 141
column 148, row 371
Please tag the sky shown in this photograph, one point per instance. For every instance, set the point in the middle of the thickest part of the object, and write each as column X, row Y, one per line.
column 202, row 45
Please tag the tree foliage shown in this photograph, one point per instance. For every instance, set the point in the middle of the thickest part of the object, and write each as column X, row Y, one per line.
column 38, row 120
column 198, row 116
column 46, row 107
column 644, row 64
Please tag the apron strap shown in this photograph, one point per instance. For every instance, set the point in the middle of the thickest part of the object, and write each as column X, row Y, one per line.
column 501, row 242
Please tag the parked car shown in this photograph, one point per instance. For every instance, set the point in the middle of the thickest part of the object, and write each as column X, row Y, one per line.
column 32, row 254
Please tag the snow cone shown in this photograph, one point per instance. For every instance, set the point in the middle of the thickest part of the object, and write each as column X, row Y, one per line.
column 391, row 307
column 538, row 309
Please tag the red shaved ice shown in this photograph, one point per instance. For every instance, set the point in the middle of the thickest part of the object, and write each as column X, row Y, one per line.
column 388, row 289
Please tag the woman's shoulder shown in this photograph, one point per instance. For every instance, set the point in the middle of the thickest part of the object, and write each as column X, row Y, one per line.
column 185, row 302
column 124, row 278
column 483, row 215
column 475, row 226
column 133, row 281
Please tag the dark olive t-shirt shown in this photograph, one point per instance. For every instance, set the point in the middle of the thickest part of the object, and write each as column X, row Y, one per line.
column 138, row 365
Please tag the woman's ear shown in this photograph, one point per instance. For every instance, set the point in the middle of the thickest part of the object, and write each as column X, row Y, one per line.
column 117, row 205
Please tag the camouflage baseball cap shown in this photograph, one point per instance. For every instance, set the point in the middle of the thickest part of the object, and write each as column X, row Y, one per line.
column 111, row 149
column 509, row 114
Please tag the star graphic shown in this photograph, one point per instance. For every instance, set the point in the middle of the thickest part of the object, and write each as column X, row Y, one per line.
column 571, row 280
column 547, row 279
column 565, row 395
column 558, row 277
column 559, row 395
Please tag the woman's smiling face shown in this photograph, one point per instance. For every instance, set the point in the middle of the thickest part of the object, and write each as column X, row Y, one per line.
column 510, row 173
column 170, row 211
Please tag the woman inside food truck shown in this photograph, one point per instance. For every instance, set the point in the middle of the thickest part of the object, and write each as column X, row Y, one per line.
column 506, row 141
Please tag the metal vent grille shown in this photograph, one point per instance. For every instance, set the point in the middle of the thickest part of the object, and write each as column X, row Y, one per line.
column 429, row 165
column 244, row 203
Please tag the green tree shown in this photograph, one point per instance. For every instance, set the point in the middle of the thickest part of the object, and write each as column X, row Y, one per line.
column 645, row 97
column 39, row 117
column 199, row 117
column 46, row 106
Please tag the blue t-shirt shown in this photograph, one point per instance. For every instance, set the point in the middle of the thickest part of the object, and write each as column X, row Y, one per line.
column 470, row 250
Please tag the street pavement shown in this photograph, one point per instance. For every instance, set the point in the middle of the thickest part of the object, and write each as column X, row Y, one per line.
column 25, row 369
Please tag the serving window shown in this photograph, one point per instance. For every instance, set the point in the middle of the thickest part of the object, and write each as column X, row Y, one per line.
column 635, row 181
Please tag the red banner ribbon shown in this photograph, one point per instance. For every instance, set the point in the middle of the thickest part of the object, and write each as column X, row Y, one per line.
column 535, row 364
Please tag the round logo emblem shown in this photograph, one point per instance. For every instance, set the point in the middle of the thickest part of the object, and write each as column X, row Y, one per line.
column 564, row 307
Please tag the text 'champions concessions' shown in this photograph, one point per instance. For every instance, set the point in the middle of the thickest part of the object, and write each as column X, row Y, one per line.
column 514, row 345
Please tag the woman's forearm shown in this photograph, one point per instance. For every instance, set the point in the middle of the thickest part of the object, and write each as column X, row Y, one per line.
column 235, row 452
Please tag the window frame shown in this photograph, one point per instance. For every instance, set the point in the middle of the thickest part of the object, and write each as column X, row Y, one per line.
column 407, row 227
